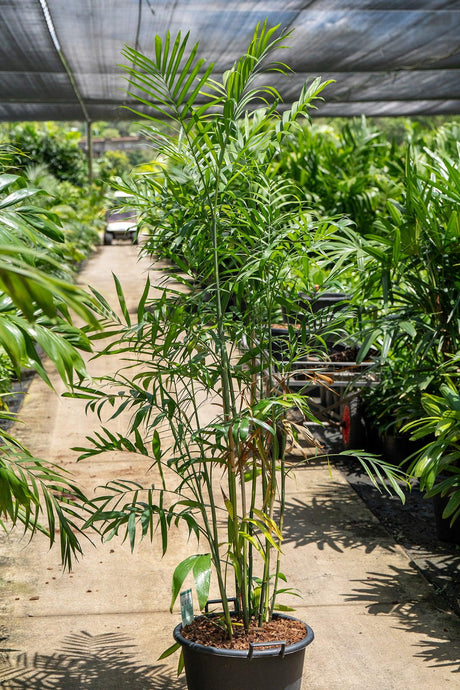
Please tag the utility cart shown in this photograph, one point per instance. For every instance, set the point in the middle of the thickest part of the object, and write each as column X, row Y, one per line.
column 121, row 220
column 333, row 381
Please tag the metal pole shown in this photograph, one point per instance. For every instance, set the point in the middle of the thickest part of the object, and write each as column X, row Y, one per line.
column 89, row 149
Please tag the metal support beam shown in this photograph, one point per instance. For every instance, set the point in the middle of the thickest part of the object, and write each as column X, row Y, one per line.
column 89, row 149
column 62, row 57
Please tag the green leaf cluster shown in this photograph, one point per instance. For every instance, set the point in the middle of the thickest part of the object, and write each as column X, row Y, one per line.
column 437, row 462
column 36, row 302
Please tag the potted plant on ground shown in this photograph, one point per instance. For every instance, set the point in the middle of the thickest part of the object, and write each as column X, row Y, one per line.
column 205, row 343
column 436, row 463
column 406, row 286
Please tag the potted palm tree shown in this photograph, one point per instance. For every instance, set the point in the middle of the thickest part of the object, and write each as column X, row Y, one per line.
column 233, row 233
column 436, row 462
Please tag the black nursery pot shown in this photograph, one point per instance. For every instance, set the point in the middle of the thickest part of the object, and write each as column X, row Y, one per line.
column 211, row 668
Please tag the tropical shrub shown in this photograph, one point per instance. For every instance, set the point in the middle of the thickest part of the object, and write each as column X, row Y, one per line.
column 349, row 170
column 112, row 164
column 437, row 463
column 6, row 374
column 48, row 144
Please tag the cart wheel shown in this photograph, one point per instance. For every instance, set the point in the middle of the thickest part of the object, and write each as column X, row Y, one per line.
column 353, row 430
column 108, row 237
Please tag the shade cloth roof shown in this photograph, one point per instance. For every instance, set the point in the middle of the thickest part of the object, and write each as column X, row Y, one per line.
column 59, row 60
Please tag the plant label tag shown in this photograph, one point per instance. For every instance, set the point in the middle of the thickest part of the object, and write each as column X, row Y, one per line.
column 186, row 607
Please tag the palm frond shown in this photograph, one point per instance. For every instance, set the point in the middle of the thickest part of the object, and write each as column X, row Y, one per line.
column 41, row 497
column 168, row 84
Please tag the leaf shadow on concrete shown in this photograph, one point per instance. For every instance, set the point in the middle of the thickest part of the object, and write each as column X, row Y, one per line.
column 402, row 594
column 96, row 662
column 334, row 518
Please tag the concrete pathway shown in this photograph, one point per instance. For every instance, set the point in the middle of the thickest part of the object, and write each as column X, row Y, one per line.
column 105, row 624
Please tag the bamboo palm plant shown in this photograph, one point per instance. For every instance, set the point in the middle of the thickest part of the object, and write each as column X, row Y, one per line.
column 207, row 338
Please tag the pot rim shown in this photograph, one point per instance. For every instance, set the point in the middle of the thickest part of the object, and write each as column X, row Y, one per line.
column 248, row 653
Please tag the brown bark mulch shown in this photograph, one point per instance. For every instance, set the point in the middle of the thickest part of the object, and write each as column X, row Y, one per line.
column 209, row 631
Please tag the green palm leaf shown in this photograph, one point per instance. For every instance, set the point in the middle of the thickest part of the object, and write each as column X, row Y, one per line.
column 40, row 496
column 163, row 84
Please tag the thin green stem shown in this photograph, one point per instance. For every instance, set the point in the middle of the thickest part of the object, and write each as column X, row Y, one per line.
column 282, row 507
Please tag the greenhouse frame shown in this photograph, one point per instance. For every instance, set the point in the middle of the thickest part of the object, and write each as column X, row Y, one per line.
column 60, row 61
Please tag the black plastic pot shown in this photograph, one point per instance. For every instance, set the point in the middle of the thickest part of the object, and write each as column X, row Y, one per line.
column 318, row 301
column 211, row 668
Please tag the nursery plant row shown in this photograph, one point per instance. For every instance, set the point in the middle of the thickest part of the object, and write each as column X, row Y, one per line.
column 358, row 214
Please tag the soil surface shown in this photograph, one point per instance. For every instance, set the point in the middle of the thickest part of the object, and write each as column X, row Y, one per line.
column 210, row 633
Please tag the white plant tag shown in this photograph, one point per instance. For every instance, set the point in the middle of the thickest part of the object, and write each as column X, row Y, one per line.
column 186, row 607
